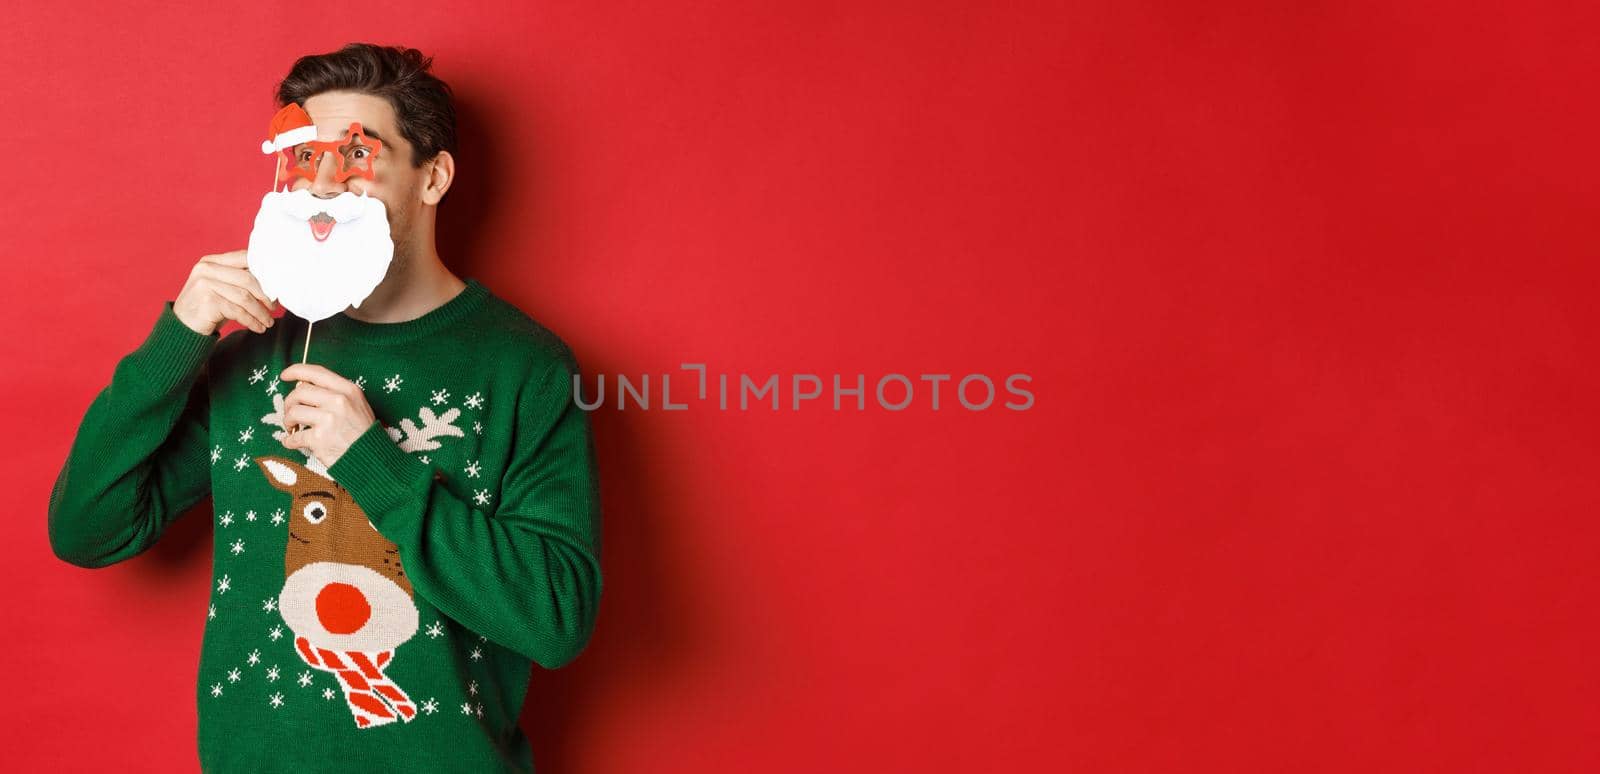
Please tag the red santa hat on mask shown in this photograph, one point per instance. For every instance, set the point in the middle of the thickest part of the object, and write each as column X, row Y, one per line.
column 290, row 127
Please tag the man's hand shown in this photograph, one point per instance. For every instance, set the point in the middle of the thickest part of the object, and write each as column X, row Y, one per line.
column 324, row 413
column 221, row 288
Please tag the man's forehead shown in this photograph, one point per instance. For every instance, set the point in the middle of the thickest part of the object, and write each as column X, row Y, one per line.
column 339, row 129
column 334, row 112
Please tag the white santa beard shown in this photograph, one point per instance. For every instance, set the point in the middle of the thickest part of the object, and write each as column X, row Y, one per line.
column 313, row 279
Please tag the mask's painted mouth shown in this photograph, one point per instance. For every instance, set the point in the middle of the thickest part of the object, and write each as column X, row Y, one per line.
column 321, row 225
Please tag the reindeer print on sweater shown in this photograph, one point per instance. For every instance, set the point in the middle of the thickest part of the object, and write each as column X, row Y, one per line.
column 345, row 595
column 345, row 598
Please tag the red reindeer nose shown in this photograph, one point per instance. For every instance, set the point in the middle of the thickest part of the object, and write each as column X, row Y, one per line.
column 342, row 608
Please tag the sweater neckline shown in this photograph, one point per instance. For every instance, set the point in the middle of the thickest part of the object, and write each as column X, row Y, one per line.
column 465, row 301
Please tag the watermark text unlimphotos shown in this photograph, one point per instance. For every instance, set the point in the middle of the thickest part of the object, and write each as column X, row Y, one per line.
column 891, row 392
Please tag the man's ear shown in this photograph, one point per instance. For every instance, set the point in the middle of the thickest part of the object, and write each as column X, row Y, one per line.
column 437, row 177
column 282, row 473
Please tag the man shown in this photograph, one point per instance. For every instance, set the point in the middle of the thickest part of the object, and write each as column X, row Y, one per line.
column 401, row 535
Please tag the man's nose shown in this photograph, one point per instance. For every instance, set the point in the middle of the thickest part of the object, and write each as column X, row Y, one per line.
column 325, row 186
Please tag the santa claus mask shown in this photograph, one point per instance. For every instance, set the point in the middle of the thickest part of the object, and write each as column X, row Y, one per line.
column 319, row 256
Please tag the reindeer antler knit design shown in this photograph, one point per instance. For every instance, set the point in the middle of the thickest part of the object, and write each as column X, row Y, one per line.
column 433, row 426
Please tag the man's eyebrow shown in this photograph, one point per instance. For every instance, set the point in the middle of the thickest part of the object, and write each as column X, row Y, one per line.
column 368, row 132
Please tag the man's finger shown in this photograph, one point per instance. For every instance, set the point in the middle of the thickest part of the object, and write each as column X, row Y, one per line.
column 303, row 415
column 315, row 374
column 242, row 298
column 296, row 397
column 242, row 279
column 234, row 258
column 239, row 314
column 231, row 276
column 309, row 394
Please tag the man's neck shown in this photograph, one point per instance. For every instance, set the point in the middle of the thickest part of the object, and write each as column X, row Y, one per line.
column 414, row 287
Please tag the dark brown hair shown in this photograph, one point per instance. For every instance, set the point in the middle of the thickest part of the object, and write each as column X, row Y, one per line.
column 420, row 100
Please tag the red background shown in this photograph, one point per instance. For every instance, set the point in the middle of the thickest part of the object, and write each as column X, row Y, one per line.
column 1309, row 484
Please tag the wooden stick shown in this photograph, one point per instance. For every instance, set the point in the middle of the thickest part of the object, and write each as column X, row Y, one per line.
column 303, row 354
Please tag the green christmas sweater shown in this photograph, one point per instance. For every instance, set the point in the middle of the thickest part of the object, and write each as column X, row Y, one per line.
column 382, row 613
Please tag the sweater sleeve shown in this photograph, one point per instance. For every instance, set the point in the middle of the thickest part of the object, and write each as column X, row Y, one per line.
column 140, row 455
column 527, row 574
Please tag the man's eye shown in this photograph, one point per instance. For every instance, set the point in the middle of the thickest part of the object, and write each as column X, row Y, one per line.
column 362, row 153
